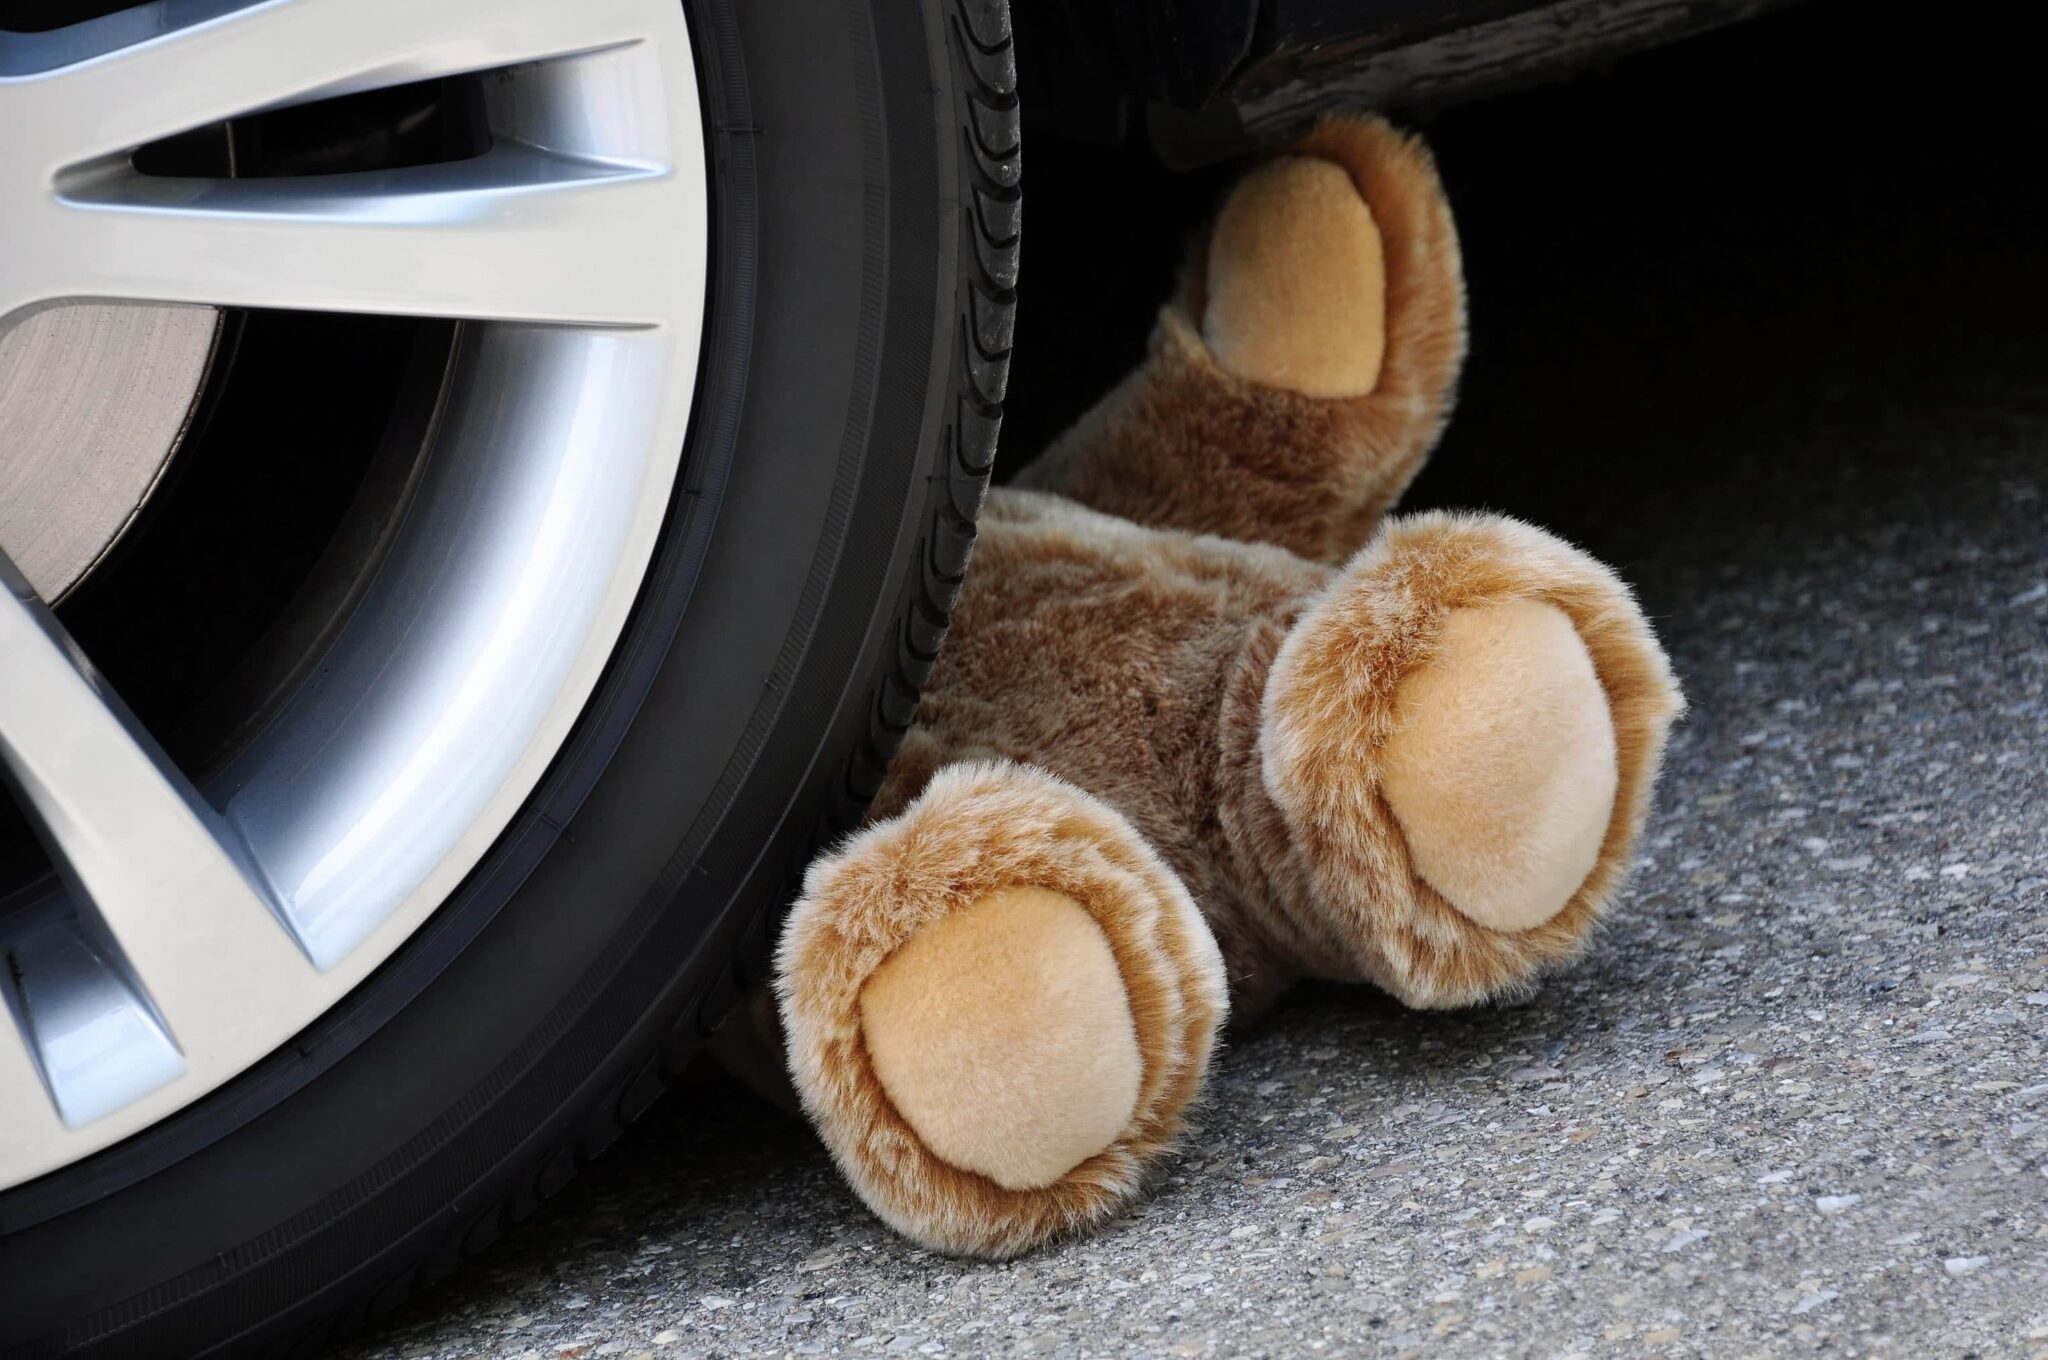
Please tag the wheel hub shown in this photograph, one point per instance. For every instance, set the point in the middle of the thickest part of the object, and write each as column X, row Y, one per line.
column 197, row 919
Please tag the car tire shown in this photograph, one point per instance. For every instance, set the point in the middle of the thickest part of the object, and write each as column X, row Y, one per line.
column 864, row 164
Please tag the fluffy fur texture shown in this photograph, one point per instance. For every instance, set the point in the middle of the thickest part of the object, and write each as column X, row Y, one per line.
column 1174, row 677
column 1330, row 709
column 979, row 829
column 1184, row 443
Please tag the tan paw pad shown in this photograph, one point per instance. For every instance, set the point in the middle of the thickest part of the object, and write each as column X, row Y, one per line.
column 1502, row 769
column 1003, row 1035
column 1296, row 293
column 997, row 1005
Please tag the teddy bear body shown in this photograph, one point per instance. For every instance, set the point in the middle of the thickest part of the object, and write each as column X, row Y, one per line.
column 1206, row 722
column 1128, row 662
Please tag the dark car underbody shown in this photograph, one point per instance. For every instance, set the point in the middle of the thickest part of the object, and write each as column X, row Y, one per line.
column 1207, row 79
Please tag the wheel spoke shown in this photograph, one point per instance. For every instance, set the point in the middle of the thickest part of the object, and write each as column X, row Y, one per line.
column 96, row 1039
column 485, row 238
column 482, row 239
column 105, row 87
column 193, row 934
column 24, row 1120
column 145, row 859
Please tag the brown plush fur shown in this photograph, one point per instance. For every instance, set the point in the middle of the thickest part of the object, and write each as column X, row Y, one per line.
column 1330, row 709
column 1231, row 700
column 1176, row 714
column 1183, row 443
column 901, row 874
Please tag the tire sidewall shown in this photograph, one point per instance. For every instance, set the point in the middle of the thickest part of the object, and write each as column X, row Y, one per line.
column 582, row 962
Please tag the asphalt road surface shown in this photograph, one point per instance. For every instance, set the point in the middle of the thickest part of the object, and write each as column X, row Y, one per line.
column 1772, row 338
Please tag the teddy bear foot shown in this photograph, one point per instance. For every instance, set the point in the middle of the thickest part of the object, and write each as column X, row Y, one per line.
column 1461, row 733
column 997, row 1006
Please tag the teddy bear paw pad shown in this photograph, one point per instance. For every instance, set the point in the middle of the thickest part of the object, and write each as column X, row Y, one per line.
column 1297, row 281
column 998, row 1003
column 1502, row 771
column 1003, row 1036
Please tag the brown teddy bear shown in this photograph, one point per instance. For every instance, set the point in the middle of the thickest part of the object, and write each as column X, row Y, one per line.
column 1207, row 723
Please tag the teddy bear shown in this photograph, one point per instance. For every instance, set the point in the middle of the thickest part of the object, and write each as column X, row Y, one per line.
column 1208, row 721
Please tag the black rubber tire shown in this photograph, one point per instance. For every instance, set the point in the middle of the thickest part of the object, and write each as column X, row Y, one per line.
column 865, row 172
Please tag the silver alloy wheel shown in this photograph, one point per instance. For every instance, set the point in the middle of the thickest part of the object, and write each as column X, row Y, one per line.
column 200, row 928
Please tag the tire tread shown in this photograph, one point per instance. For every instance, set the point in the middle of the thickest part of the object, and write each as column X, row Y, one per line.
column 986, row 118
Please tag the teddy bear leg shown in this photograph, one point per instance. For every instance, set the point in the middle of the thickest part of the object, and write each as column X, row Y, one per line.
column 996, row 1006
column 1294, row 388
column 1462, row 732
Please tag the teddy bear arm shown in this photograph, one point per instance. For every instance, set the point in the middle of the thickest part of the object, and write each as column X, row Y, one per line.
column 1294, row 388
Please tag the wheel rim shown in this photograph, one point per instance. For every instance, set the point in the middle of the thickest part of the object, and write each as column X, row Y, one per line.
column 199, row 928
